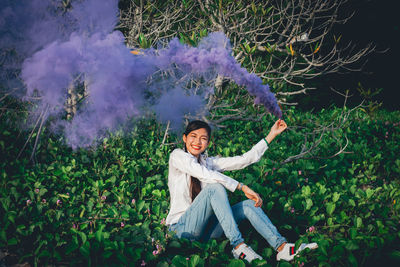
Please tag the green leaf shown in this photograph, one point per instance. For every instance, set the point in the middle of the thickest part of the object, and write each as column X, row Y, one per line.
column 236, row 263
column 395, row 254
column 140, row 205
column 221, row 247
column 12, row 241
column 359, row 222
column 285, row 264
column 309, row 203
column 99, row 235
column 306, row 191
column 353, row 233
column 330, row 208
column 156, row 193
column 353, row 189
column 369, row 192
column 11, row 216
column 107, row 254
column 83, row 237
column 352, row 245
column 3, row 235
column 335, row 197
column 124, row 214
column 142, row 40
column 73, row 245
column 174, row 244
column 194, row 260
column 179, row 261
column 85, row 249
column 352, row 260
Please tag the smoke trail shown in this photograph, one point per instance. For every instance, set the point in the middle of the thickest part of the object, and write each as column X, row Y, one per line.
column 119, row 85
column 25, row 28
column 214, row 52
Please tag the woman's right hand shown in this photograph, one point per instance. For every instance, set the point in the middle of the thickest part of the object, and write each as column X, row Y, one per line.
column 250, row 194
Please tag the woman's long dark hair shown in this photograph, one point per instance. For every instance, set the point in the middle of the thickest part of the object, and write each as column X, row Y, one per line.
column 195, row 186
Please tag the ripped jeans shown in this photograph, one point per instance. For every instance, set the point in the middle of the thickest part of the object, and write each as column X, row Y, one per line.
column 210, row 215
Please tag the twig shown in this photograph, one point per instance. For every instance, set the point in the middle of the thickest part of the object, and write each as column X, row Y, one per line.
column 38, row 133
column 165, row 134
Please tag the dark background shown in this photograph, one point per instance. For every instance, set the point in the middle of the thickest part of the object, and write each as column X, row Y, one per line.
column 374, row 22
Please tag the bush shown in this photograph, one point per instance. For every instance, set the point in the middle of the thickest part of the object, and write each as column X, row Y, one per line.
column 107, row 205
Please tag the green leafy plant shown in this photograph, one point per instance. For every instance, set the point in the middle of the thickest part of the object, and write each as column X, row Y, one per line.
column 107, row 205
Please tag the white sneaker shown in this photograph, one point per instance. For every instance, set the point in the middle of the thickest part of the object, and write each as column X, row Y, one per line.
column 245, row 252
column 288, row 253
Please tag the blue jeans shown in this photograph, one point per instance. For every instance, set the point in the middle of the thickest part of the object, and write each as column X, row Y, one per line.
column 210, row 215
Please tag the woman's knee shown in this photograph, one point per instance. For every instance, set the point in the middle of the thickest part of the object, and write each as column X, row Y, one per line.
column 248, row 206
column 248, row 203
column 216, row 188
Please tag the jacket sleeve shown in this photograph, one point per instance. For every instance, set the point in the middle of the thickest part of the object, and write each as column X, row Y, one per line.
column 187, row 163
column 239, row 162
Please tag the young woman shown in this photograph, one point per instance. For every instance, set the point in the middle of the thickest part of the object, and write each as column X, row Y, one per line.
column 199, row 207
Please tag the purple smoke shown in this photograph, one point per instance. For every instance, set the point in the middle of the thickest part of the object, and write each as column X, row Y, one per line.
column 214, row 52
column 25, row 28
column 120, row 85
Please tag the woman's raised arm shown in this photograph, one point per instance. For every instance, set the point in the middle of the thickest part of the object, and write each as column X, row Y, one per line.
column 251, row 156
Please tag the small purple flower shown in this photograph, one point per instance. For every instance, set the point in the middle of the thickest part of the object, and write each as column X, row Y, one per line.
column 299, row 172
column 59, row 202
column 187, row 259
column 150, row 159
column 103, row 197
column 152, row 240
column 133, row 201
column 143, row 263
column 155, row 252
column 273, row 168
column 43, row 200
column 122, row 224
column 266, row 173
column 75, row 226
column 68, row 193
column 37, row 190
column 28, row 202
column 292, row 210
column 163, row 221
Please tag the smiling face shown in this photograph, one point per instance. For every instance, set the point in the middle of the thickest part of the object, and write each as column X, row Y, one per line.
column 196, row 141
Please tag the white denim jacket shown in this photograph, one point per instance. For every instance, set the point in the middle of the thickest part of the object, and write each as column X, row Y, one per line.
column 182, row 165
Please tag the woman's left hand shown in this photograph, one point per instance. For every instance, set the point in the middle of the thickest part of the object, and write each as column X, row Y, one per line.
column 250, row 194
